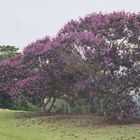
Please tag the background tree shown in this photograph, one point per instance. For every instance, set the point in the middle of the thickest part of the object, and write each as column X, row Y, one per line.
column 8, row 51
column 5, row 53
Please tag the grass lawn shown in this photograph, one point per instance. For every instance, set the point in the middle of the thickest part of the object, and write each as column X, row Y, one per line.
column 63, row 127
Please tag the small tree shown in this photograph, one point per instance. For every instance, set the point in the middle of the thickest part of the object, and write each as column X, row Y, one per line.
column 8, row 51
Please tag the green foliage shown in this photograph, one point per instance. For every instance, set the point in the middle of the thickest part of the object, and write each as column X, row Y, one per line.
column 7, row 51
column 5, row 100
column 26, row 106
column 31, row 107
column 138, row 114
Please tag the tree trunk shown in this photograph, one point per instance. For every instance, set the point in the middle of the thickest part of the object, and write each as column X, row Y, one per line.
column 48, row 111
column 45, row 104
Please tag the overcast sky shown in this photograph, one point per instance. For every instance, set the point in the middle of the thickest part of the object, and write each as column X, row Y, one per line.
column 24, row 21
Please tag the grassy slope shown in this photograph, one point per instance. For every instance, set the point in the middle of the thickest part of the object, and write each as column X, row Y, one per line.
column 76, row 127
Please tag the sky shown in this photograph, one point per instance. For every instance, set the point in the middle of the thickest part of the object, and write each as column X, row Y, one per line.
column 24, row 21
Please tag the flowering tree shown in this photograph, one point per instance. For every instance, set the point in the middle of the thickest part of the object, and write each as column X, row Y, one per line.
column 96, row 57
column 6, row 52
column 121, row 34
